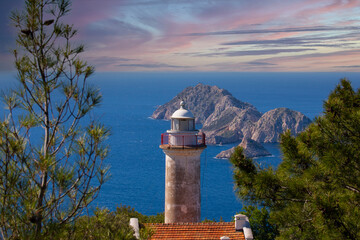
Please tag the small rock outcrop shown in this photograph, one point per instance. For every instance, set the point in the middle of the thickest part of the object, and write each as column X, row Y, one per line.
column 274, row 122
column 251, row 149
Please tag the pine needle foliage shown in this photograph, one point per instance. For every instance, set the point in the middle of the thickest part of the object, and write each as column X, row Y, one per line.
column 51, row 151
column 315, row 192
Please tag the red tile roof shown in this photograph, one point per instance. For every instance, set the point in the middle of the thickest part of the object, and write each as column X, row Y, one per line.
column 194, row 231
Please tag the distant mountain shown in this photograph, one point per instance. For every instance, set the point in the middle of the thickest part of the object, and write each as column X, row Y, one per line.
column 251, row 149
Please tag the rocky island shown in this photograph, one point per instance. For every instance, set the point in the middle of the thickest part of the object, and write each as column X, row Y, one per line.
column 226, row 119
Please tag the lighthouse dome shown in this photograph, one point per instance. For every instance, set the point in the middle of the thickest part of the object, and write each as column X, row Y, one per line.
column 182, row 113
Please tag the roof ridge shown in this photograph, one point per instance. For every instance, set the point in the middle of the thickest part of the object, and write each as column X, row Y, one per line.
column 191, row 223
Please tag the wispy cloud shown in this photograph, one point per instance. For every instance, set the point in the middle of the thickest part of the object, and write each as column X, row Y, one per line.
column 326, row 61
column 351, row 66
column 105, row 61
column 279, row 30
column 256, row 63
column 150, row 65
column 254, row 52
column 298, row 40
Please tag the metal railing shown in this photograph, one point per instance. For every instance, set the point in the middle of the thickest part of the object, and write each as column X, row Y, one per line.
column 183, row 140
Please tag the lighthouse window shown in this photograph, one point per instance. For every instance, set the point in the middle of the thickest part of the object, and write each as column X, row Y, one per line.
column 175, row 124
column 184, row 125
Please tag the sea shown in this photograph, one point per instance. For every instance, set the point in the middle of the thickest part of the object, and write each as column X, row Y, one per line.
column 138, row 164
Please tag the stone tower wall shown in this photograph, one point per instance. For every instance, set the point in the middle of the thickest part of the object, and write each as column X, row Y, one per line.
column 182, row 185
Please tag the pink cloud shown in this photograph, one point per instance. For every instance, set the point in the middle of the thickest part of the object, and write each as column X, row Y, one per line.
column 324, row 7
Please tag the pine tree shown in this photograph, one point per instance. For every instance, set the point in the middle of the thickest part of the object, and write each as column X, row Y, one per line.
column 315, row 192
column 51, row 151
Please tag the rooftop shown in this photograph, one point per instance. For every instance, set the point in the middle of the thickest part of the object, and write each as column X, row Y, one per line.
column 194, row 231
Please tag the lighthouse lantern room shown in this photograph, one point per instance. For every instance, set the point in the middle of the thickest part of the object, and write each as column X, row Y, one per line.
column 182, row 120
column 182, row 145
column 183, row 133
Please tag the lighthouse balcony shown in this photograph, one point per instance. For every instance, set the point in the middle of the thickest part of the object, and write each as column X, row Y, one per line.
column 182, row 140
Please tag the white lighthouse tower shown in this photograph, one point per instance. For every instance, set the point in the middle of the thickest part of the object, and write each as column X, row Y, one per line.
column 182, row 146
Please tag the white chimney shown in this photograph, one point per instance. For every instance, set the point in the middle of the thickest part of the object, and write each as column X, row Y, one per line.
column 239, row 221
column 242, row 223
column 134, row 223
column 224, row 238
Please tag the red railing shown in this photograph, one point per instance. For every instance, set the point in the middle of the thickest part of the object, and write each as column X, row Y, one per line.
column 184, row 140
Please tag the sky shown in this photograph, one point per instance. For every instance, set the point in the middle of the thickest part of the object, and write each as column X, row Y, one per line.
column 209, row 35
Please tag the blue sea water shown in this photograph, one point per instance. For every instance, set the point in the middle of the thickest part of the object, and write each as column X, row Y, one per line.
column 138, row 164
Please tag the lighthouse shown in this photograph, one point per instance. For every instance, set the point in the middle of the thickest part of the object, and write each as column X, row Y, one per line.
column 182, row 145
